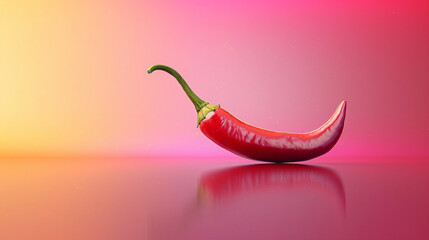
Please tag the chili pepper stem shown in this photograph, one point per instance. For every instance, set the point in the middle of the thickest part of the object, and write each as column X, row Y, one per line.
column 202, row 107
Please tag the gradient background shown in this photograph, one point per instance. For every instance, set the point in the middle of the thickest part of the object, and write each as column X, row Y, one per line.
column 73, row 79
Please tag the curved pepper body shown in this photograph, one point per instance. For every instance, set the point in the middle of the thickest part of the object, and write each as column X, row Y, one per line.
column 259, row 144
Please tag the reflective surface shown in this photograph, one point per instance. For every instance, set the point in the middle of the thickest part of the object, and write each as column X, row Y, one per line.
column 212, row 199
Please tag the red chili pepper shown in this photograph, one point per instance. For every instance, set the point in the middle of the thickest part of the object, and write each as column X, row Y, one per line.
column 259, row 144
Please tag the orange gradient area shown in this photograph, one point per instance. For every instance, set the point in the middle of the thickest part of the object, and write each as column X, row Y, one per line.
column 61, row 199
column 68, row 69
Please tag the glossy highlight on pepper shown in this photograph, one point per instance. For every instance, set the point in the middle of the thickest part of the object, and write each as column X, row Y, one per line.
column 255, row 143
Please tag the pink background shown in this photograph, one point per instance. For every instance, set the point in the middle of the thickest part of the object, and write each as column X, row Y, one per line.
column 73, row 79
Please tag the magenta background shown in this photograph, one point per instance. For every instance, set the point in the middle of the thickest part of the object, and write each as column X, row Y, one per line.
column 75, row 81
column 286, row 65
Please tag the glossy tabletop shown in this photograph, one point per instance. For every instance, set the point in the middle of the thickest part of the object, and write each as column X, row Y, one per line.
column 158, row 199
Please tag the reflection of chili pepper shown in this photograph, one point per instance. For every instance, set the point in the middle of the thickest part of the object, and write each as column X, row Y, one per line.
column 227, row 183
column 259, row 144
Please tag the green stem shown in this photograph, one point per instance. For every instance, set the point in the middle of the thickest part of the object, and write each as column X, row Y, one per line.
column 202, row 107
column 198, row 103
